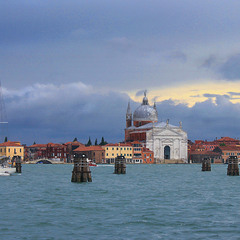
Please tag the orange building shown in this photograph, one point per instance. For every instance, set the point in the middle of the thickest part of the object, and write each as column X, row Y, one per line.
column 141, row 154
column 227, row 141
column 94, row 153
column 71, row 146
column 228, row 151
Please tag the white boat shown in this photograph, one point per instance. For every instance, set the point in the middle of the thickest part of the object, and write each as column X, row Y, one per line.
column 6, row 169
column 91, row 163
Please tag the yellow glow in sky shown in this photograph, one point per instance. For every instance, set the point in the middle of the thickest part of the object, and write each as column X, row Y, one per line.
column 192, row 93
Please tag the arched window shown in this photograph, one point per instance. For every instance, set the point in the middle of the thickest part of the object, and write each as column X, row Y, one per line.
column 166, row 152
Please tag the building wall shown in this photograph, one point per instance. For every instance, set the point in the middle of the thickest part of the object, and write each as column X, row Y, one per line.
column 11, row 151
column 148, row 157
column 57, row 151
column 227, row 153
column 175, row 138
column 112, row 151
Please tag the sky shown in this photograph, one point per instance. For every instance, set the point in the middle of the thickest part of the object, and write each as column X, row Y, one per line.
column 69, row 68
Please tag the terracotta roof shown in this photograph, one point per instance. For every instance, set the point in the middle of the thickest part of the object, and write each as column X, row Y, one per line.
column 136, row 142
column 54, row 145
column 203, row 153
column 76, row 143
column 227, row 139
column 10, row 144
column 229, row 148
column 38, row 145
column 88, row 148
column 119, row 144
column 147, row 150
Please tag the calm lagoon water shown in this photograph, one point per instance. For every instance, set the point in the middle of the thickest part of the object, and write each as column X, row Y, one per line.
column 149, row 202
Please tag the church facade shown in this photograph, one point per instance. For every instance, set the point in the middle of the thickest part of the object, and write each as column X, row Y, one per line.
column 168, row 142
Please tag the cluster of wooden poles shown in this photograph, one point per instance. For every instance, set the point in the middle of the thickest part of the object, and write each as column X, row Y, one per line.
column 233, row 169
column 18, row 165
column 81, row 170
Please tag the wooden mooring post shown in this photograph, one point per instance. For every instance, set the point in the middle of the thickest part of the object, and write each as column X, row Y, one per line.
column 206, row 164
column 233, row 169
column 81, row 170
column 120, row 165
column 18, row 164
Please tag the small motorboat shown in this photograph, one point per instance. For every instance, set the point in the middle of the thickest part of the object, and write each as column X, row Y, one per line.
column 6, row 168
column 91, row 163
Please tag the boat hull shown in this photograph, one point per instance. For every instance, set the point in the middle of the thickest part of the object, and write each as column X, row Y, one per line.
column 7, row 170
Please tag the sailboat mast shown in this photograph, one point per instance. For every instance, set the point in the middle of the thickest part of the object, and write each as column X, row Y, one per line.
column 3, row 117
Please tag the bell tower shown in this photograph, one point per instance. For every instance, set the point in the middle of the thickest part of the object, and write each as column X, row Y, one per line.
column 128, row 116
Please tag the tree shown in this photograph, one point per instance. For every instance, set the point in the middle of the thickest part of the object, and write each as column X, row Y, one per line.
column 75, row 139
column 5, row 140
column 96, row 142
column 89, row 143
column 103, row 142
column 222, row 144
column 34, row 143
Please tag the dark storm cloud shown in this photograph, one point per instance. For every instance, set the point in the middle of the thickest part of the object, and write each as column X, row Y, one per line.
column 123, row 43
column 230, row 69
column 44, row 113
column 50, row 113
column 205, row 120
column 210, row 62
column 208, row 95
column 234, row 93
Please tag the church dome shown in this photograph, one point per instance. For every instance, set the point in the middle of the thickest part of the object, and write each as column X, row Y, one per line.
column 145, row 112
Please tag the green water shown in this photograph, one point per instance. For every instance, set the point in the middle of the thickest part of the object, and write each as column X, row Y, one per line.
column 149, row 202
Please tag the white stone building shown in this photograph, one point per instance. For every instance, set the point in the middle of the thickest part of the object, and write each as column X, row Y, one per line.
column 168, row 142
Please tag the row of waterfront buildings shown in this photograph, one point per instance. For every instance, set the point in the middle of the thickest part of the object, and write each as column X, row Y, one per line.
column 135, row 152
column 146, row 141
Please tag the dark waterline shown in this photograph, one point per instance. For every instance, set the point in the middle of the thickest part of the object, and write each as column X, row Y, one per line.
column 149, row 202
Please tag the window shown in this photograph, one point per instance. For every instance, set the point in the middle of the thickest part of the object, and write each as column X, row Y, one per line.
column 150, row 155
column 117, row 148
column 112, row 154
column 112, row 148
column 9, row 150
column 107, row 154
